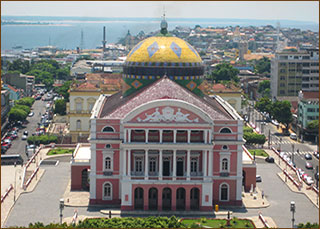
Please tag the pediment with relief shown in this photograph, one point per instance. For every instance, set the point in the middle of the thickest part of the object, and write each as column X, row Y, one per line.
column 167, row 114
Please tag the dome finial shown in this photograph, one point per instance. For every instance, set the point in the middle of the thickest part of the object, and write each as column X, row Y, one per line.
column 164, row 24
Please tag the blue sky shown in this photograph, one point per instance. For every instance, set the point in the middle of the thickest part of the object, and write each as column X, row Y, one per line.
column 275, row 10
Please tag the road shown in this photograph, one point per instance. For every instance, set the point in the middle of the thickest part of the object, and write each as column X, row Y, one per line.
column 279, row 199
column 19, row 146
column 285, row 144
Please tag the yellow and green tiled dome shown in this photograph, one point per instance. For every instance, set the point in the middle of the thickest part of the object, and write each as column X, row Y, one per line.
column 165, row 50
column 162, row 55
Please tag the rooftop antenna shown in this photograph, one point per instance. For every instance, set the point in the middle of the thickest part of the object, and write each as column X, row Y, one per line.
column 81, row 41
column 104, row 42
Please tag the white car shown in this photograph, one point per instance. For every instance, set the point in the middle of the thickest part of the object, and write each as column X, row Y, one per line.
column 293, row 136
column 274, row 122
column 24, row 137
column 309, row 181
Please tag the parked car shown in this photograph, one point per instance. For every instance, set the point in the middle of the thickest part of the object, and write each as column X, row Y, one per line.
column 269, row 159
column 274, row 122
column 31, row 114
column 24, row 137
column 309, row 165
column 258, row 178
column 316, row 154
column 4, row 149
column 25, row 133
column 293, row 136
column 308, row 180
column 308, row 156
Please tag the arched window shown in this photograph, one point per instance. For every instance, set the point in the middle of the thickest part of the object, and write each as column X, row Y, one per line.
column 225, row 130
column 108, row 129
column 224, row 147
column 107, row 163
column 107, row 191
column 224, row 192
column 224, row 164
column 78, row 124
column 108, row 146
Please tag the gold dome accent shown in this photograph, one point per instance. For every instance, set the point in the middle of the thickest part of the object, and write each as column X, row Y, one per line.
column 164, row 49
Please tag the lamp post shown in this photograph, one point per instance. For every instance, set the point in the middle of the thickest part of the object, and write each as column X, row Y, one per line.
column 292, row 209
column 292, row 153
column 15, row 181
column 61, row 206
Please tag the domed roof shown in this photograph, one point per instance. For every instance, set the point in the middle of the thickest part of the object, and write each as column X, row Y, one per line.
column 163, row 49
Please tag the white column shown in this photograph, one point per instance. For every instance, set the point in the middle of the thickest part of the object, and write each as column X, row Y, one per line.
column 189, row 136
column 205, row 133
column 204, row 162
column 147, row 133
column 161, row 136
column 129, row 135
column 125, row 135
column 210, row 163
column 129, row 162
column 146, row 165
column 174, row 164
column 210, row 136
column 160, row 165
column 174, row 136
column 124, row 160
column 188, row 164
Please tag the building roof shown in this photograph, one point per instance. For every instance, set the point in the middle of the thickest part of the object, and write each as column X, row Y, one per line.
column 163, row 50
column 117, row 106
column 85, row 87
column 310, row 94
column 10, row 87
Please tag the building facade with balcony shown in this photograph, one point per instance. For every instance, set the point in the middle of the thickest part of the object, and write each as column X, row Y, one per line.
column 160, row 143
column 292, row 71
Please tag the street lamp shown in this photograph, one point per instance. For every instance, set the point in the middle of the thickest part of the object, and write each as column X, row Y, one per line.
column 61, row 208
column 292, row 209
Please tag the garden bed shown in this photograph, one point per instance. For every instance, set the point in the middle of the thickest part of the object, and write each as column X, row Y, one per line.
column 259, row 152
column 218, row 223
column 58, row 151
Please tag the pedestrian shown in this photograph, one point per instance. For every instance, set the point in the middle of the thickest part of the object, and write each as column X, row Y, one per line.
column 262, row 194
column 297, row 150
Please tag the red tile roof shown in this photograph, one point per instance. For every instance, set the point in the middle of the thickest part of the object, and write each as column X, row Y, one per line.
column 12, row 88
column 311, row 94
column 86, row 87
column 117, row 107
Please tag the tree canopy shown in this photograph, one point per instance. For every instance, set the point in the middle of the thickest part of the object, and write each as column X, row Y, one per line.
column 60, row 107
column 64, row 90
column 225, row 72
column 263, row 66
column 264, row 88
column 281, row 111
column 313, row 125
column 264, row 105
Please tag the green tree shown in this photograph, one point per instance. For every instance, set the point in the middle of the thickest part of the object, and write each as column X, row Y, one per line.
column 27, row 101
column 264, row 88
column 64, row 90
column 60, row 107
column 225, row 72
column 23, row 107
column 264, row 105
column 281, row 111
column 263, row 66
column 20, row 65
column 313, row 125
column 16, row 114
column 254, row 138
column 308, row 225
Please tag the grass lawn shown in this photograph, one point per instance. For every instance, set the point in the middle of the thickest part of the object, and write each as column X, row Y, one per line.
column 221, row 223
column 60, row 151
column 259, row 152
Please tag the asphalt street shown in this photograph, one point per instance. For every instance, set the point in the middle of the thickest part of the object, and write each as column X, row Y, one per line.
column 279, row 197
column 18, row 146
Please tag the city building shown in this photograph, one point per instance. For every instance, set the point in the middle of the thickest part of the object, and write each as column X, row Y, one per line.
column 15, row 94
column 161, row 143
column 308, row 110
column 20, row 81
column 292, row 71
column 82, row 98
column 5, row 108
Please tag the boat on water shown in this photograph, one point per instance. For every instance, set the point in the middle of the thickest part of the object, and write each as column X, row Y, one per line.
column 17, row 47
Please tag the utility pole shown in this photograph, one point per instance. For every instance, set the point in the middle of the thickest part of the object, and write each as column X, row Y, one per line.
column 292, row 153
column 269, row 139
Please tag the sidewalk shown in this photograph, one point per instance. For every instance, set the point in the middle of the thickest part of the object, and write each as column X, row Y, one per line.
column 8, row 203
column 313, row 197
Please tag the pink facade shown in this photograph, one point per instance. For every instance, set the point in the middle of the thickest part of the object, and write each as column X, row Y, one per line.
column 167, row 153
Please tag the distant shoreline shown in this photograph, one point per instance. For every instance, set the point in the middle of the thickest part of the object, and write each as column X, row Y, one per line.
column 36, row 24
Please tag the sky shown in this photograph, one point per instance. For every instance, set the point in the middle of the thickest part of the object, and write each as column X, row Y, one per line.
column 273, row 10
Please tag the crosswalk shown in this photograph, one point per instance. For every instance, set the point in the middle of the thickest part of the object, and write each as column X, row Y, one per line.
column 280, row 142
column 300, row 153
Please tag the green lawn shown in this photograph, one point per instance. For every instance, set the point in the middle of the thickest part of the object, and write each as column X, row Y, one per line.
column 60, row 151
column 259, row 152
column 220, row 223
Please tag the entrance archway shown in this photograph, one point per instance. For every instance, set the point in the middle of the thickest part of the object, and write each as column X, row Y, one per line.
column 153, row 199
column 138, row 199
column 166, row 199
column 84, row 180
column 194, row 198
column 181, row 199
